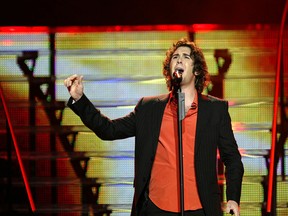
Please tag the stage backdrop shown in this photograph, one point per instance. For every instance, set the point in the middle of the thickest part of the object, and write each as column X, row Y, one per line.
column 122, row 64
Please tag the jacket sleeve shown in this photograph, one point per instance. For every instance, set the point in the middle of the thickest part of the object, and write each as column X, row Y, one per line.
column 231, row 157
column 104, row 127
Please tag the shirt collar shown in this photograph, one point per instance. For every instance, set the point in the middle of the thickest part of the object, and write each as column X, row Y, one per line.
column 173, row 99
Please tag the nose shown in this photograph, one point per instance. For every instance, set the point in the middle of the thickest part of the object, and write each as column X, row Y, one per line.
column 179, row 60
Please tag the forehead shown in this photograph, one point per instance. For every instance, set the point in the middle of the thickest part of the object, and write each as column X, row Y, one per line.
column 182, row 49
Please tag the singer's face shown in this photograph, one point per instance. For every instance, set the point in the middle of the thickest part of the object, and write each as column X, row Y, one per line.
column 181, row 60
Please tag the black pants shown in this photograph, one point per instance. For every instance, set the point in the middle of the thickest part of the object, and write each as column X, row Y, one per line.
column 150, row 209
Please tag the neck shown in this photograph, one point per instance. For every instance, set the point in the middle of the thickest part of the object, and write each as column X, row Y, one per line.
column 189, row 91
column 189, row 95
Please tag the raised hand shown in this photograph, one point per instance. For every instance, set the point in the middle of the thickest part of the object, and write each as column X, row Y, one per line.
column 75, row 86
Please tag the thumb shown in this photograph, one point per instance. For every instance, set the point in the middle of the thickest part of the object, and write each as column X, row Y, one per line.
column 80, row 82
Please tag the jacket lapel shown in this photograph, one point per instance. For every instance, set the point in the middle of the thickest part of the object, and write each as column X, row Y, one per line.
column 202, row 118
column 158, row 111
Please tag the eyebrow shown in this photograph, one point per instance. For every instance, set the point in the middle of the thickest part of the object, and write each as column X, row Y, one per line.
column 185, row 54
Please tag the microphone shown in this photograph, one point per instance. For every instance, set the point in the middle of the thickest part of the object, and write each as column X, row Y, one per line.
column 177, row 77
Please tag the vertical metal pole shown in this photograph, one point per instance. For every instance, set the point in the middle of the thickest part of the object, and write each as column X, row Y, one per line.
column 181, row 115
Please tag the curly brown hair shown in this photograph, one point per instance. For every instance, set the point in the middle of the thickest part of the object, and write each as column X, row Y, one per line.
column 200, row 65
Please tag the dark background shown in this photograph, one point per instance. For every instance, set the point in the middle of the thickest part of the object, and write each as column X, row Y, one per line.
column 128, row 12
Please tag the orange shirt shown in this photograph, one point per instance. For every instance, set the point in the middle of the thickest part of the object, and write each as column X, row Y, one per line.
column 164, row 187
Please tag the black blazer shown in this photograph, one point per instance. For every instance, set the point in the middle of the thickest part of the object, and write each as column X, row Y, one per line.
column 213, row 131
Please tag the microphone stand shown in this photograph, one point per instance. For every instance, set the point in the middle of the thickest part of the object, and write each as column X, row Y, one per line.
column 181, row 114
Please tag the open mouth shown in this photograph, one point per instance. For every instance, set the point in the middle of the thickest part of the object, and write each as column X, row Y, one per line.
column 177, row 75
column 179, row 70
